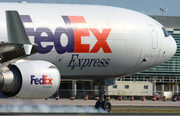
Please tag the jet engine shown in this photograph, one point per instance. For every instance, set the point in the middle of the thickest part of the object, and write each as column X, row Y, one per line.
column 30, row 80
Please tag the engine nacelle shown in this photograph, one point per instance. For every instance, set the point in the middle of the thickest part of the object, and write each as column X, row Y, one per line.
column 30, row 80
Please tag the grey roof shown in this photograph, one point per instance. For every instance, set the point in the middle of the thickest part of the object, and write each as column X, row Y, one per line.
column 168, row 21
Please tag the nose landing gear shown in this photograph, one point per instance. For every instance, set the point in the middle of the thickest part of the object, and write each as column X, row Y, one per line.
column 106, row 105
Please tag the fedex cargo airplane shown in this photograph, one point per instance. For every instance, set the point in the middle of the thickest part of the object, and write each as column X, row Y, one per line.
column 44, row 43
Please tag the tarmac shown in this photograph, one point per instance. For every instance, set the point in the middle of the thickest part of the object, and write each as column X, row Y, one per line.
column 73, row 107
column 81, row 102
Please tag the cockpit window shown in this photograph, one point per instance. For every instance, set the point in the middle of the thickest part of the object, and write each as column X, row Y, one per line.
column 166, row 33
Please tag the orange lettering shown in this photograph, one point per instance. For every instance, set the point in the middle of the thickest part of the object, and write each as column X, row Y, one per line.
column 101, row 41
column 78, row 32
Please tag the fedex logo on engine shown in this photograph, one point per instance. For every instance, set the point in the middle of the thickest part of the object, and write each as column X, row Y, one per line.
column 42, row 81
column 73, row 34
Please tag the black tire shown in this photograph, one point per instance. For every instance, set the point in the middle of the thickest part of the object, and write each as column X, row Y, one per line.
column 106, row 105
column 97, row 105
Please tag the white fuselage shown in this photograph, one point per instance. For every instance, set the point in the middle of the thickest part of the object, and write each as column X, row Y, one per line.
column 86, row 41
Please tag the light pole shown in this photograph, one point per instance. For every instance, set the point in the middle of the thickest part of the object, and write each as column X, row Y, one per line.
column 163, row 9
column 109, row 2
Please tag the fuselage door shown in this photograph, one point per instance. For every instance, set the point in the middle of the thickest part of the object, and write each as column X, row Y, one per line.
column 154, row 37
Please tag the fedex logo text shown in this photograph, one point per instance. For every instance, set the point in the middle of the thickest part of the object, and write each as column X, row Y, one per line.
column 44, row 80
column 73, row 34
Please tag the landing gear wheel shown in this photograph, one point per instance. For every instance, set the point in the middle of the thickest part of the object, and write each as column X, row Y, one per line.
column 97, row 105
column 106, row 105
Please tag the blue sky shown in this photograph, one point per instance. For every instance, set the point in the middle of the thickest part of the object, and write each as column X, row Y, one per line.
column 149, row 7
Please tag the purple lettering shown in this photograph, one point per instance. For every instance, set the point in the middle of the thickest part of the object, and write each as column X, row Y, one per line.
column 39, row 38
column 27, row 19
column 70, row 35
column 41, row 81
column 36, row 81
column 107, row 62
column 73, row 58
column 80, row 60
column 86, row 62
column 96, row 62
column 82, row 63
column 32, row 79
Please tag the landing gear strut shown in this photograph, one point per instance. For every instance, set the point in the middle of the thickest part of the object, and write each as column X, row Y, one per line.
column 106, row 105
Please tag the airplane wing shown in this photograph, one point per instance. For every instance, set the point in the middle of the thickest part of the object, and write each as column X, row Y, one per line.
column 11, row 51
column 18, row 45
